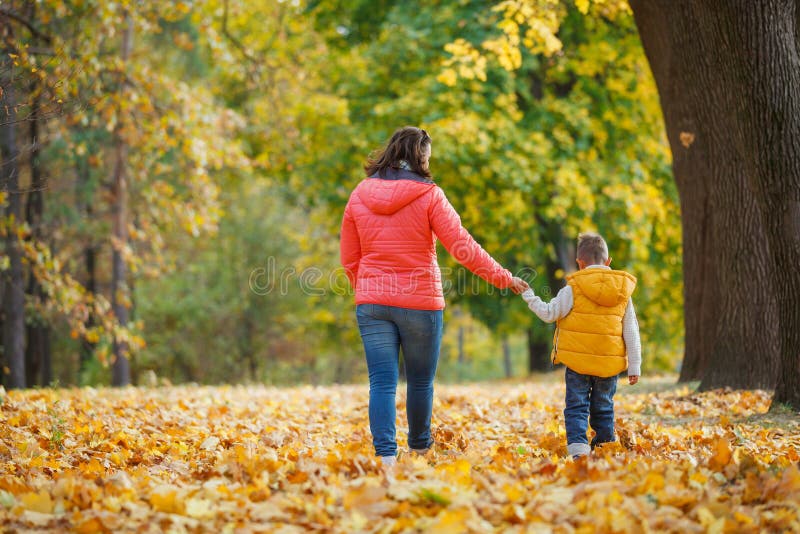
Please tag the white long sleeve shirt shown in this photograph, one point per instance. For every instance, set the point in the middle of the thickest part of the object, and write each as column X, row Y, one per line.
column 560, row 305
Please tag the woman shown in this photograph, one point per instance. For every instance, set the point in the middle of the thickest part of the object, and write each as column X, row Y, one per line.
column 388, row 249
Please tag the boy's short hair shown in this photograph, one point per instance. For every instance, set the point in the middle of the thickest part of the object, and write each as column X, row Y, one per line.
column 592, row 248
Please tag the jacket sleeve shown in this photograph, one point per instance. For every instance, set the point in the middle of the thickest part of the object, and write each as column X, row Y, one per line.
column 550, row 312
column 446, row 224
column 350, row 246
column 633, row 344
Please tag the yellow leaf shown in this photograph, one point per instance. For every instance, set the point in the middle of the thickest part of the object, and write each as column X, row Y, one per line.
column 722, row 454
column 514, row 493
column 451, row 522
column 90, row 526
column 199, row 508
column 38, row 502
column 447, row 77
column 166, row 499
column 365, row 494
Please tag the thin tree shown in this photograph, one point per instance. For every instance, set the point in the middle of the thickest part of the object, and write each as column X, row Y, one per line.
column 121, row 369
column 37, row 356
column 13, row 276
column 507, row 367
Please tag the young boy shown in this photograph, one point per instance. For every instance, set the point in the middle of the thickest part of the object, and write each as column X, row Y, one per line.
column 597, row 337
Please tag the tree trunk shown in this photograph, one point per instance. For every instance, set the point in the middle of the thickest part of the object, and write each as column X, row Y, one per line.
column 13, row 277
column 90, row 259
column 730, row 308
column 121, row 369
column 85, row 208
column 761, row 77
column 247, row 359
column 460, row 356
column 539, row 341
column 507, row 358
column 538, row 352
column 37, row 355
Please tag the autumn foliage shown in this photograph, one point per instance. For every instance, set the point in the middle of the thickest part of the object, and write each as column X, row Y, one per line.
column 234, row 459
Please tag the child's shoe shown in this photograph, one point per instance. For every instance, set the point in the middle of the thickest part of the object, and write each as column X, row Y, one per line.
column 388, row 468
column 576, row 450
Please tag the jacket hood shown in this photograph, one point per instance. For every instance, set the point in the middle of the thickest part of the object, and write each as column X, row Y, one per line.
column 385, row 196
column 605, row 287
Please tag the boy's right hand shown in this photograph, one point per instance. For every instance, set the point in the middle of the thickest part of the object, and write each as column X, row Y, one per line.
column 633, row 379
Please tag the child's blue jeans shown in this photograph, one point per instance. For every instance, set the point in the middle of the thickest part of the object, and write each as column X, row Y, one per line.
column 589, row 398
column 384, row 330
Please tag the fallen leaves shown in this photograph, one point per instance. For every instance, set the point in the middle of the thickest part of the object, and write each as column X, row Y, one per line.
column 262, row 459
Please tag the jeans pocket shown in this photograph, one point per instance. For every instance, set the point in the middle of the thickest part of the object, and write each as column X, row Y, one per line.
column 424, row 320
column 606, row 386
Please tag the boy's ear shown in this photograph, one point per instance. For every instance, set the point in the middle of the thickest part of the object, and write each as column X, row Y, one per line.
column 608, row 262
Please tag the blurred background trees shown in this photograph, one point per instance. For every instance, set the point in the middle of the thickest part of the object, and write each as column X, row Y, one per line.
column 174, row 175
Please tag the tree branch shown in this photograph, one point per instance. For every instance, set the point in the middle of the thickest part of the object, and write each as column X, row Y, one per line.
column 9, row 14
column 236, row 42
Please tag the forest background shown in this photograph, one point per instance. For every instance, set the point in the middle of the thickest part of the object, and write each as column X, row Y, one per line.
column 181, row 169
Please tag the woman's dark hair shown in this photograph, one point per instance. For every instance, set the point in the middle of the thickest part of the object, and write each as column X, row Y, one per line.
column 407, row 144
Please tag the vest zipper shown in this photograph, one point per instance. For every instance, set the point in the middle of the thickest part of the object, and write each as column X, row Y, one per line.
column 555, row 347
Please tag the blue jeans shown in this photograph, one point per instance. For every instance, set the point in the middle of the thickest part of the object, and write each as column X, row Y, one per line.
column 589, row 398
column 384, row 330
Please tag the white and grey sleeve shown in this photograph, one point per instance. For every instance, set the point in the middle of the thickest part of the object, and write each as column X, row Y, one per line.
column 552, row 311
column 633, row 344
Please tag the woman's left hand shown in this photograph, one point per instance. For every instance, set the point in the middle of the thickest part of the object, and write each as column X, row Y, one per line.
column 518, row 285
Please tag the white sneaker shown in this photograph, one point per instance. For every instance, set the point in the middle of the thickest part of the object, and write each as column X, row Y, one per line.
column 576, row 450
column 388, row 467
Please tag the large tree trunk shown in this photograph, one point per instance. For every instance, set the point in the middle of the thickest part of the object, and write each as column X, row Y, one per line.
column 37, row 356
column 761, row 77
column 13, row 277
column 730, row 308
column 121, row 369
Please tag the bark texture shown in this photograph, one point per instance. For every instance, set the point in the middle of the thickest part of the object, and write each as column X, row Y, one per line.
column 731, row 309
column 764, row 87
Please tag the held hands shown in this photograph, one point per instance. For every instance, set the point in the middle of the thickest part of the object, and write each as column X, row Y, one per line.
column 633, row 379
column 518, row 285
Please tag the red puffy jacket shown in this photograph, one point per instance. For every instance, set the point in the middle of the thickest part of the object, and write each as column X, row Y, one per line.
column 388, row 246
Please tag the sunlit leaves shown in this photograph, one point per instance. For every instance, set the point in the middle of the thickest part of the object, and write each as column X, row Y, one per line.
column 601, row 161
column 466, row 62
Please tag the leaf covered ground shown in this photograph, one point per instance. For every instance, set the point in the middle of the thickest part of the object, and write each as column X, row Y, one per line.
column 241, row 459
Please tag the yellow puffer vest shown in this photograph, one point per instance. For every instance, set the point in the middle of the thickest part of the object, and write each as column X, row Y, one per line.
column 589, row 339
